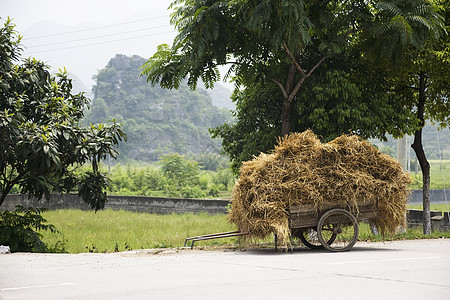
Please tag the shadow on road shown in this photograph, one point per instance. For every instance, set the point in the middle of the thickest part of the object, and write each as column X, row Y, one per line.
column 307, row 251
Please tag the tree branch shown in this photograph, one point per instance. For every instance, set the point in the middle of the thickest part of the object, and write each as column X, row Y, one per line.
column 404, row 88
column 300, row 82
column 294, row 61
column 296, row 88
column 281, row 87
column 316, row 66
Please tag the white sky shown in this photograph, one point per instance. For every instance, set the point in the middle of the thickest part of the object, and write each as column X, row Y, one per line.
column 73, row 12
column 129, row 27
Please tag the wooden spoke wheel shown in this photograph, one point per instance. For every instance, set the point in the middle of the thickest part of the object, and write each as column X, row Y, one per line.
column 309, row 237
column 340, row 227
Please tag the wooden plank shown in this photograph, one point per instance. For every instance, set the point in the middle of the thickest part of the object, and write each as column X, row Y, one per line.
column 303, row 223
column 305, row 215
column 367, row 215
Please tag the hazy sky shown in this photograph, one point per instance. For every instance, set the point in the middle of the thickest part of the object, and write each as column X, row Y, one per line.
column 83, row 35
column 73, row 12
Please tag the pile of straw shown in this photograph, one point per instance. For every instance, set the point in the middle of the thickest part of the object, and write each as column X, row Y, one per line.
column 302, row 170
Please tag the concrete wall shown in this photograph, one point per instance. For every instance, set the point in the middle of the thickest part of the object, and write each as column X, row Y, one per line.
column 436, row 196
column 159, row 205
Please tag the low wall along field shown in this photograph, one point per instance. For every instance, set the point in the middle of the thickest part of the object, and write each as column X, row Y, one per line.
column 158, row 205
column 161, row 205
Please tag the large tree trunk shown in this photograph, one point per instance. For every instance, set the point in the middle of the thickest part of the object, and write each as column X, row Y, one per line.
column 421, row 157
column 285, row 117
column 424, row 164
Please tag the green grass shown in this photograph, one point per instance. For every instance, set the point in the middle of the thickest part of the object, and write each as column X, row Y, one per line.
column 439, row 175
column 439, row 207
column 365, row 234
column 110, row 231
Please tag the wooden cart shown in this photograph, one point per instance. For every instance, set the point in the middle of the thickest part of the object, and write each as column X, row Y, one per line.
column 332, row 227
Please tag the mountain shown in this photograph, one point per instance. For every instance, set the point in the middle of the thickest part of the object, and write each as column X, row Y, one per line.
column 221, row 96
column 156, row 120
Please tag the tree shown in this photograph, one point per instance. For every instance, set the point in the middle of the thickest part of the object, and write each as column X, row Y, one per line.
column 263, row 41
column 344, row 96
column 419, row 46
column 182, row 174
column 295, row 66
column 42, row 143
column 179, row 170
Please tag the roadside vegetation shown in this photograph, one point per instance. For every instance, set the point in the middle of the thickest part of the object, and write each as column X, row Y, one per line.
column 111, row 231
column 208, row 176
column 174, row 175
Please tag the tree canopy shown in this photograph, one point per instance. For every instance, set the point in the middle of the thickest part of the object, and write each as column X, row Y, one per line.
column 297, row 64
column 263, row 41
column 42, row 141
column 418, row 79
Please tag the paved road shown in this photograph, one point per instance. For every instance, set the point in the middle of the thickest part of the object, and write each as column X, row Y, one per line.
column 392, row 270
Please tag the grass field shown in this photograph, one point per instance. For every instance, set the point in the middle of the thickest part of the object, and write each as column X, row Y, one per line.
column 110, row 231
column 439, row 175
column 439, row 207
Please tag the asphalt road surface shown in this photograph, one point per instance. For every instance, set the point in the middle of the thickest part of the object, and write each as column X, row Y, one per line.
column 418, row 269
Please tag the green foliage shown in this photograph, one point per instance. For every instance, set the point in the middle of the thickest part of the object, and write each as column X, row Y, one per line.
column 209, row 161
column 19, row 229
column 343, row 97
column 183, row 176
column 296, row 65
column 42, row 142
column 439, row 176
column 179, row 169
column 93, row 189
column 418, row 77
column 189, row 182
column 405, row 26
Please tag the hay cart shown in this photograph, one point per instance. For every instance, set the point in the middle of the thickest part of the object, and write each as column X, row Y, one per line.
column 333, row 227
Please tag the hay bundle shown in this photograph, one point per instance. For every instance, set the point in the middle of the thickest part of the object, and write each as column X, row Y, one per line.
column 302, row 170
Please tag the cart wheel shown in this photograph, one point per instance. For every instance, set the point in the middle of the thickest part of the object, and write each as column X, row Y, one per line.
column 340, row 227
column 309, row 237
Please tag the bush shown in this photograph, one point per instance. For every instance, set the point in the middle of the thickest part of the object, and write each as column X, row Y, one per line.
column 173, row 176
column 18, row 229
column 193, row 192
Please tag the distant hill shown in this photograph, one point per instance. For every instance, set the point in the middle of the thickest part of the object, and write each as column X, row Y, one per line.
column 156, row 120
column 221, row 96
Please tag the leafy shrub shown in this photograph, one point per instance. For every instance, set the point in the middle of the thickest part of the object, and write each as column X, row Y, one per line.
column 192, row 192
column 173, row 176
column 214, row 191
column 18, row 229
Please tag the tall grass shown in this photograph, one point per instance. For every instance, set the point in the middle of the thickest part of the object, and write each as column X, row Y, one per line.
column 438, row 207
column 109, row 231
column 439, row 175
